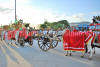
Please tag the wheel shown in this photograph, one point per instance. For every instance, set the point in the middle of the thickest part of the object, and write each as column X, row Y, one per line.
column 31, row 43
column 21, row 42
column 30, row 40
column 44, row 44
column 54, row 43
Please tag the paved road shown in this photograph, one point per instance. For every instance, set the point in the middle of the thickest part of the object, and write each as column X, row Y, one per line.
column 16, row 56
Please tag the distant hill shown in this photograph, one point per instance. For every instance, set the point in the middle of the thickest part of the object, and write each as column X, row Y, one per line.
column 83, row 22
column 77, row 23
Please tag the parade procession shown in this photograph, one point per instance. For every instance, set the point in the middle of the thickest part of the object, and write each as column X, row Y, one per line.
column 83, row 39
column 46, row 38
column 49, row 33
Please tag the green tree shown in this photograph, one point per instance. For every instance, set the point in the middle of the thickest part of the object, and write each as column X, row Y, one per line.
column 43, row 26
column 60, row 24
column 65, row 22
column 55, row 25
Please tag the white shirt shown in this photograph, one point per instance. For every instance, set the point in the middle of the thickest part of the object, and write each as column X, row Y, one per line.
column 45, row 32
column 54, row 32
column 50, row 31
column 60, row 32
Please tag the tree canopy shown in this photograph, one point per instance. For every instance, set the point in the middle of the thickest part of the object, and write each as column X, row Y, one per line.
column 55, row 25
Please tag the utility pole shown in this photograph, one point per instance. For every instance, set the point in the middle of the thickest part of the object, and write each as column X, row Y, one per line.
column 15, row 12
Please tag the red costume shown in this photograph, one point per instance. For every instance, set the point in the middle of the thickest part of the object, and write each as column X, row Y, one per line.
column 23, row 33
column 9, row 35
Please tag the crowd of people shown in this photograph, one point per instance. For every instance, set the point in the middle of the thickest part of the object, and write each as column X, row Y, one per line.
column 8, row 34
column 96, row 19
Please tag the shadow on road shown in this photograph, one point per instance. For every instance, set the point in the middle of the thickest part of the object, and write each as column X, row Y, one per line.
column 13, row 57
column 3, row 62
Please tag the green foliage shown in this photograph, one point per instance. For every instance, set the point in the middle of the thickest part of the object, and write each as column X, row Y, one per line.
column 55, row 25
column 43, row 26
column 46, row 22
column 26, row 25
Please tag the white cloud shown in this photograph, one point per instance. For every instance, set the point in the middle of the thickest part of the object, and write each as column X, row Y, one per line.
column 7, row 10
column 95, row 13
column 77, row 17
column 34, row 15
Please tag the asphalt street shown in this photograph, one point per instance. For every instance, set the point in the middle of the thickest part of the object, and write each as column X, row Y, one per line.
column 17, row 56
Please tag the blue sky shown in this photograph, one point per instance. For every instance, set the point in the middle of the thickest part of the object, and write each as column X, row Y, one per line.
column 68, row 6
column 35, row 11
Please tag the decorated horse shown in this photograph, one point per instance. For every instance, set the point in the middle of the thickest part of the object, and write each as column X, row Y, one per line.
column 78, row 41
column 18, row 36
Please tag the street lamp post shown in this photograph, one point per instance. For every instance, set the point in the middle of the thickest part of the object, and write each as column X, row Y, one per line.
column 15, row 12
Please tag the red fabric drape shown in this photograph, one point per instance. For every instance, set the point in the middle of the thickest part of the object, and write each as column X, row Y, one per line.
column 9, row 35
column 73, row 41
column 88, row 36
column 98, row 38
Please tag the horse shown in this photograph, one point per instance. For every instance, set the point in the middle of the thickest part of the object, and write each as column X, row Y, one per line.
column 96, row 42
column 87, row 45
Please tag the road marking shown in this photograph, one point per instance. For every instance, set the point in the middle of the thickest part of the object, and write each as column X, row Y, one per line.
column 20, row 59
column 15, row 45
